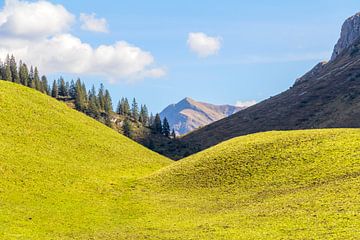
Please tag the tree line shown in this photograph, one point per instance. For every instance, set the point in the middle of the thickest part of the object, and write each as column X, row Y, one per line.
column 96, row 103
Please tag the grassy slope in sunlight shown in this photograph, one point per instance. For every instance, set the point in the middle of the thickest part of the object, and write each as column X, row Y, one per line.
column 66, row 176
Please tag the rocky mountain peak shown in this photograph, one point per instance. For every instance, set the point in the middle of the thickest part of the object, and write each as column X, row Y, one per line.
column 350, row 32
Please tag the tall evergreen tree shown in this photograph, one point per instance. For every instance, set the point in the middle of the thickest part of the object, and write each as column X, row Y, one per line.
column 126, row 107
column 8, row 76
column 107, row 102
column 118, row 107
column 24, row 74
column 31, row 82
column 101, row 98
column 144, row 115
column 166, row 128
column 127, row 128
column 135, row 110
column 80, row 98
column 151, row 120
column 14, row 70
column 157, row 126
column 45, row 85
column 55, row 90
column 173, row 134
column 38, row 85
column 62, row 87
column 93, row 105
column 72, row 89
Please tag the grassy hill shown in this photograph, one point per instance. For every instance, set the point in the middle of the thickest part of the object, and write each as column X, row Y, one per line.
column 274, row 185
column 66, row 176
column 62, row 173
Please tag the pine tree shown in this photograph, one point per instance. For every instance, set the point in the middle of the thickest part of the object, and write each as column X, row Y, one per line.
column 80, row 103
column 157, row 126
column 14, row 70
column 166, row 128
column 45, row 85
column 151, row 120
column 144, row 115
column 67, row 89
column 55, row 91
column 118, row 108
column 72, row 89
column 8, row 76
column 173, row 134
column 62, row 87
column 93, row 106
column 37, row 82
column 31, row 82
column 107, row 102
column 24, row 74
column 127, row 128
column 101, row 98
column 134, row 110
column 126, row 107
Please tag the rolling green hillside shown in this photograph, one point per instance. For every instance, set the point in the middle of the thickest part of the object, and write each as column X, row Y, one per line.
column 66, row 176
column 63, row 174
column 274, row 185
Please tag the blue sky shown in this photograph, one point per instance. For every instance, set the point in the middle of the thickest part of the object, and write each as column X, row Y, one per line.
column 265, row 45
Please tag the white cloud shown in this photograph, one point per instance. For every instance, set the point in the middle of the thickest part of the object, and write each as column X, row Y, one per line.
column 57, row 51
column 34, row 19
column 203, row 45
column 245, row 104
column 93, row 24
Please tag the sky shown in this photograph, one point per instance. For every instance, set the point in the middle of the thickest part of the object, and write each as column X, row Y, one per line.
column 221, row 52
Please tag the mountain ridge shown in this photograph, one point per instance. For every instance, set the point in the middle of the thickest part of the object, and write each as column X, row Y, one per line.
column 189, row 114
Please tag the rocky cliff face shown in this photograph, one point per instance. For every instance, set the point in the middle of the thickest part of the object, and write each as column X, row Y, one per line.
column 188, row 114
column 350, row 32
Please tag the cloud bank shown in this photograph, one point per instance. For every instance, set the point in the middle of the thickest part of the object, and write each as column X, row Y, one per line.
column 203, row 45
column 39, row 33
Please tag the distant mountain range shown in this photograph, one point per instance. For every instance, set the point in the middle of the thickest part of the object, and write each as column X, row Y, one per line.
column 188, row 114
column 328, row 96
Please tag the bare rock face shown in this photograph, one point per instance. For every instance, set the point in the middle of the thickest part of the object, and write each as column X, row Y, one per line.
column 350, row 32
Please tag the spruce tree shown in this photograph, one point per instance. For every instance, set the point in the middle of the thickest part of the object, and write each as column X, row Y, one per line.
column 45, row 85
column 118, row 108
column 144, row 115
column 101, row 98
column 72, row 90
column 24, row 74
column 127, row 129
column 14, row 70
column 62, row 87
column 31, row 82
column 126, row 107
column 80, row 103
column 38, row 85
column 93, row 106
column 134, row 110
column 157, row 126
column 107, row 102
column 173, row 134
column 166, row 128
column 8, row 76
column 55, row 91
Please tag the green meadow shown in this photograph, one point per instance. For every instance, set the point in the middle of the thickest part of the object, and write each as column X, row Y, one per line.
column 67, row 176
